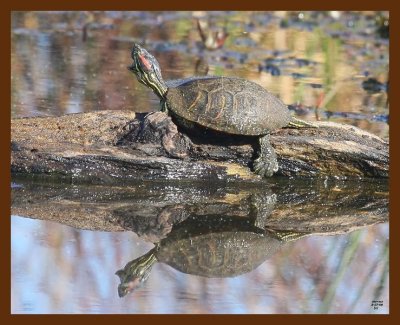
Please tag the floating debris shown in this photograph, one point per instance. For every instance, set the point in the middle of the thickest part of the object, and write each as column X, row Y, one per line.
column 212, row 39
column 297, row 75
column 314, row 85
column 272, row 69
column 372, row 85
column 358, row 116
column 382, row 29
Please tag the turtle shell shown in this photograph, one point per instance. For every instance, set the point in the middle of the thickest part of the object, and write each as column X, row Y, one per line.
column 229, row 105
column 222, row 254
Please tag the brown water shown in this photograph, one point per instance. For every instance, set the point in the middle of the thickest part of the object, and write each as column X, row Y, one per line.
column 69, row 62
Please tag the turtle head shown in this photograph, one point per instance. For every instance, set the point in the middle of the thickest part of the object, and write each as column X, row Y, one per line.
column 135, row 273
column 147, row 70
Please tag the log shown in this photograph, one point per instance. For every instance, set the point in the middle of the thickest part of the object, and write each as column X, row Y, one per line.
column 123, row 147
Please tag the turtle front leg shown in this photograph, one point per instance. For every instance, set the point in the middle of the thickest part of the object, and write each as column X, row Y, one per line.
column 266, row 163
column 174, row 143
column 158, row 126
column 164, row 106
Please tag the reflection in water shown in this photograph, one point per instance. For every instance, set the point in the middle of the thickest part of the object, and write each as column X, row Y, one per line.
column 211, row 40
column 339, row 273
column 212, row 246
column 215, row 248
column 63, row 270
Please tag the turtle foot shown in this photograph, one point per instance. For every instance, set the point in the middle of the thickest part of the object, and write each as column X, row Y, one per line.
column 262, row 206
column 266, row 163
column 174, row 143
column 265, row 167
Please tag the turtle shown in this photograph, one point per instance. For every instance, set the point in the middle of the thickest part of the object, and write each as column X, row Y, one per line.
column 213, row 245
column 227, row 105
column 208, row 246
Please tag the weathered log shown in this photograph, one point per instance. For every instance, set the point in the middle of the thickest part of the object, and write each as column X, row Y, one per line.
column 121, row 146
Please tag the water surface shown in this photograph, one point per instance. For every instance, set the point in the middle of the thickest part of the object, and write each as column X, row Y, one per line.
column 69, row 62
column 59, row 269
column 65, row 259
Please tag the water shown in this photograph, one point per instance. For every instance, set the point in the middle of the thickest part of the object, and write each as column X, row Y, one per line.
column 335, row 259
column 64, row 259
column 69, row 62
column 58, row 269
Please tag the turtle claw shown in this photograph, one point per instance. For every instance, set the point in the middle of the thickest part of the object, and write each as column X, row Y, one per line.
column 265, row 167
column 266, row 163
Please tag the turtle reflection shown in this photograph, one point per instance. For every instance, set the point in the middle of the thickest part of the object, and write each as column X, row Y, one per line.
column 211, row 246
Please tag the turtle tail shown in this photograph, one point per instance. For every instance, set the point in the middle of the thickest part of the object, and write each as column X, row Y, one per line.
column 297, row 123
column 288, row 235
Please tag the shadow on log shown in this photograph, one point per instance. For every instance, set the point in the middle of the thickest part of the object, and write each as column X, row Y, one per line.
column 121, row 146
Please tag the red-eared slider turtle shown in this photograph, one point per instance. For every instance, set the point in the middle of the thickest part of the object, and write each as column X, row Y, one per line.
column 208, row 246
column 224, row 104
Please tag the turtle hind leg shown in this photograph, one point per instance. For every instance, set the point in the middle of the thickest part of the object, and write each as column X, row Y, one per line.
column 266, row 163
column 297, row 123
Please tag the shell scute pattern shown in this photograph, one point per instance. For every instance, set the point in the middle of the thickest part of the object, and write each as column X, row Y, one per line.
column 230, row 105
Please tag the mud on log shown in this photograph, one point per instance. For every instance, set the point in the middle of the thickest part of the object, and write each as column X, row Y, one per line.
column 123, row 146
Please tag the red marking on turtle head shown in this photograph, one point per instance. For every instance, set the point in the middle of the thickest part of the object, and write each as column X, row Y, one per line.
column 145, row 62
